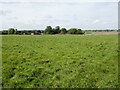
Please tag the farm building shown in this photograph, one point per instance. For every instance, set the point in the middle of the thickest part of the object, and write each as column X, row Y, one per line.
column 35, row 34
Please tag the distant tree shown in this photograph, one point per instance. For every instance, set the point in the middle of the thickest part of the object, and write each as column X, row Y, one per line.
column 38, row 31
column 0, row 32
column 72, row 31
column 79, row 31
column 42, row 31
column 33, row 31
column 11, row 31
column 4, row 32
column 15, row 31
column 23, row 32
column 63, row 31
column 19, row 32
column 29, row 32
column 48, row 30
column 26, row 32
column 56, row 30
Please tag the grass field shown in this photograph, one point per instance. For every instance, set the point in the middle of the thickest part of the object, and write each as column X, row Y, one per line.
column 60, row 61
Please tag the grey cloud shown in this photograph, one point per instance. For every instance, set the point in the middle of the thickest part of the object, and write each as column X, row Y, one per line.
column 12, row 18
column 5, row 12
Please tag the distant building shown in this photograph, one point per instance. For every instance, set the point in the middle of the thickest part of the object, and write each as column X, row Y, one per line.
column 42, row 33
column 35, row 34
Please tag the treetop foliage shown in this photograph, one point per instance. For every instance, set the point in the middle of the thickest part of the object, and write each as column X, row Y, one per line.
column 48, row 30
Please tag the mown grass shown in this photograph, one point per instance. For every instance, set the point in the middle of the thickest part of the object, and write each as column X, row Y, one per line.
column 60, row 61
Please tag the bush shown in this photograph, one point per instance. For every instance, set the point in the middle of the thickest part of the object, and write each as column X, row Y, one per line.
column 72, row 31
column 79, row 31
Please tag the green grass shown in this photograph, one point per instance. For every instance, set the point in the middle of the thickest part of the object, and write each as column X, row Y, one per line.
column 60, row 61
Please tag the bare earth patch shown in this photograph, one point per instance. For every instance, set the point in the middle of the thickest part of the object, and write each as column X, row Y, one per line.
column 102, row 33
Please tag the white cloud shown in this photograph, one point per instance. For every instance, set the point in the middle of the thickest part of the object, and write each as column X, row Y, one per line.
column 59, row 0
column 38, row 15
column 96, row 21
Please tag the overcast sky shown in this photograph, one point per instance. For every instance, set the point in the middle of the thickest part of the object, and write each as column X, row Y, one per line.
column 28, row 14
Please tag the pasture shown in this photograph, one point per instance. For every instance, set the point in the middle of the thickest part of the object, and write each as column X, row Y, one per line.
column 60, row 61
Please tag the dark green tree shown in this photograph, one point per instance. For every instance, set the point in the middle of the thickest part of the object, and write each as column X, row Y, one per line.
column 11, row 31
column 63, row 31
column 72, row 31
column 19, row 32
column 16, row 32
column 48, row 30
column 57, row 30
column 38, row 31
column 4, row 32
column 42, row 31
column 79, row 31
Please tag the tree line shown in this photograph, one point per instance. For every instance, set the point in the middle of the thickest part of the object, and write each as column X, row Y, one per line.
column 48, row 30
